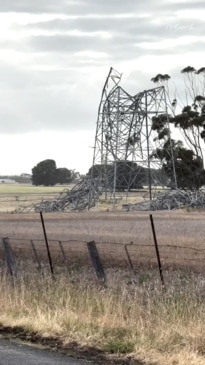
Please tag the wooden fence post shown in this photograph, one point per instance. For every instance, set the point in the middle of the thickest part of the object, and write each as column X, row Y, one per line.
column 95, row 258
column 36, row 255
column 128, row 257
column 10, row 259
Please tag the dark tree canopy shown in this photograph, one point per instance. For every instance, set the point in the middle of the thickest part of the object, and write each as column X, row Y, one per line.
column 46, row 173
column 188, row 167
column 129, row 175
column 63, row 175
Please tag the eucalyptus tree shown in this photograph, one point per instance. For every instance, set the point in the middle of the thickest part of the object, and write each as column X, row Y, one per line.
column 186, row 115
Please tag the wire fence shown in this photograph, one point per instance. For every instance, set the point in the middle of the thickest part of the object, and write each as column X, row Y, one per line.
column 60, row 255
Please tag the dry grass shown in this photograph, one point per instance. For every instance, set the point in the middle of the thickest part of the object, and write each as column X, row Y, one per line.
column 179, row 235
column 129, row 317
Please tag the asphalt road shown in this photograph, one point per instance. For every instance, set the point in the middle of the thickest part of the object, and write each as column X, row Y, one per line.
column 13, row 353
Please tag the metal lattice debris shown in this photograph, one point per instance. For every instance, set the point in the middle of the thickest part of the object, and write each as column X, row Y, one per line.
column 81, row 197
column 171, row 200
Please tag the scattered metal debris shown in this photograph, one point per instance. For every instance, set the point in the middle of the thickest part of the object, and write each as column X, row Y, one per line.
column 86, row 193
column 171, row 200
column 81, row 197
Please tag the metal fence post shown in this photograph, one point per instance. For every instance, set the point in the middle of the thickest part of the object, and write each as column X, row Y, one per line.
column 157, row 251
column 47, row 245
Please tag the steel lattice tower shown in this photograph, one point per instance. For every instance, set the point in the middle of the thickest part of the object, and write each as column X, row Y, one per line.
column 124, row 137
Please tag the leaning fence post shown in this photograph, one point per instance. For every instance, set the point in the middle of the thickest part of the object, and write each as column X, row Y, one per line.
column 36, row 255
column 95, row 258
column 10, row 259
column 157, row 251
column 47, row 245
column 128, row 257
column 63, row 254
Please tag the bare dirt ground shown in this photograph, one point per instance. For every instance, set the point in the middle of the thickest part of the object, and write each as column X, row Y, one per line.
column 172, row 227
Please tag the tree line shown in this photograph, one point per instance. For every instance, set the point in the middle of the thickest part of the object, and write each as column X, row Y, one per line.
column 46, row 173
column 129, row 175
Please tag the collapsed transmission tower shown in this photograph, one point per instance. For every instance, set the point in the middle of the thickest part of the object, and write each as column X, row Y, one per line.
column 125, row 141
column 125, row 148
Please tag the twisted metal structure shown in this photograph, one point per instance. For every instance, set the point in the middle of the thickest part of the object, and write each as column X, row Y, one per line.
column 125, row 139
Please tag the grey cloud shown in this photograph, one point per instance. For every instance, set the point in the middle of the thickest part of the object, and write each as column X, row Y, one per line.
column 64, row 43
column 121, row 44
column 93, row 6
column 72, row 7
column 139, row 26
column 146, row 6
column 181, row 5
column 127, row 32
column 95, row 24
column 71, row 44
column 40, row 6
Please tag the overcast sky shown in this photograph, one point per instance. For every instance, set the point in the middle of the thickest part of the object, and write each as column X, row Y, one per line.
column 54, row 59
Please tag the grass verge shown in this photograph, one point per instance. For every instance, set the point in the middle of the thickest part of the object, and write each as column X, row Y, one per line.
column 132, row 319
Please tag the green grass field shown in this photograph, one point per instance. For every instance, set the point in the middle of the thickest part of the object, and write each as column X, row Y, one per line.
column 31, row 189
column 14, row 196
